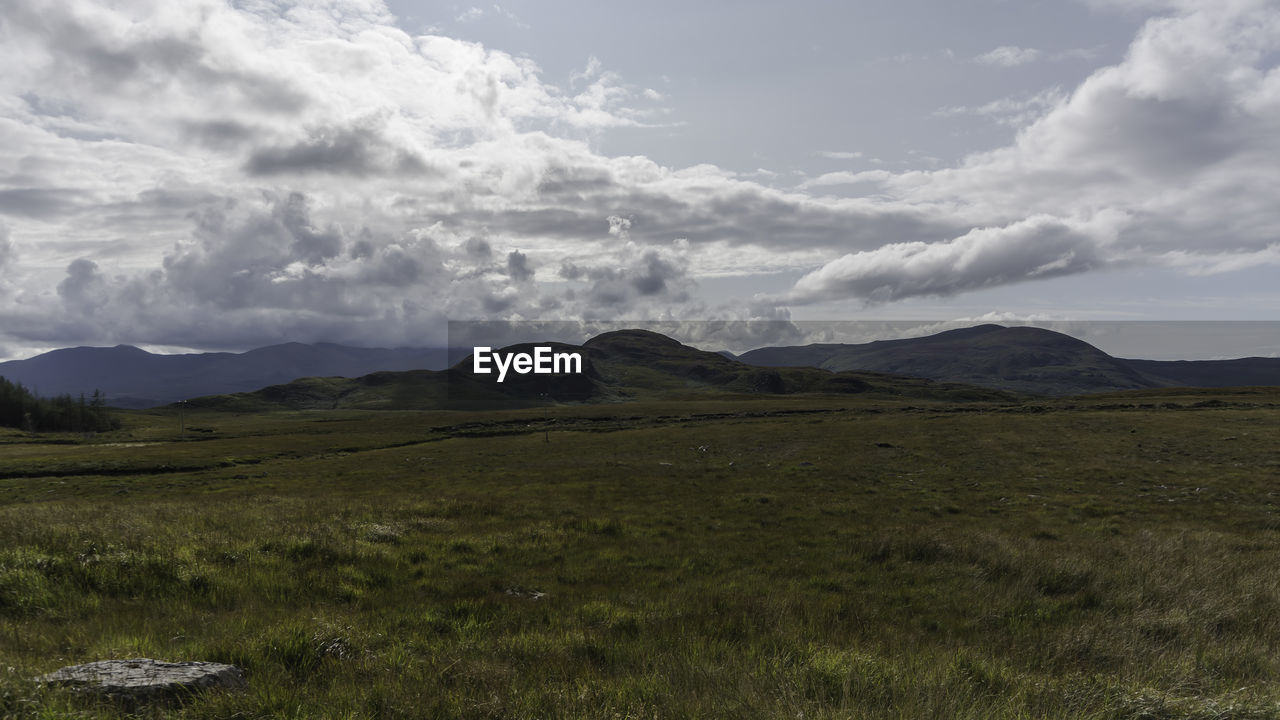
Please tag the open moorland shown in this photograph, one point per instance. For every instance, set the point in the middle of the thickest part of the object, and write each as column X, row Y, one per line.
column 819, row 556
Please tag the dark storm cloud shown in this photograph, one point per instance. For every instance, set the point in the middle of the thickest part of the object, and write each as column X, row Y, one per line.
column 279, row 256
column 715, row 210
column 359, row 151
column 7, row 252
column 40, row 203
column 251, row 257
column 497, row 303
column 653, row 272
column 571, row 271
column 82, row 287
column 518, row 268
column 148, row 210
column 251, row 274
column 536, row 222
column 393, row 267
column 174, row 198
column 477, row 247
column 642, row 274
column 767, row 219
column 569, row 183
column 751, row 215
column 311, row 244
column 219, row 134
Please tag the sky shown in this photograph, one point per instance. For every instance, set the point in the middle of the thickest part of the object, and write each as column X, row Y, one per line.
column 221, row 175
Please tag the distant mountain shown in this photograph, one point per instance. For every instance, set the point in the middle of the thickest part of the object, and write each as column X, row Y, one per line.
column 134, row 378
column 1211, row 373
column 617, row 366
column 955, row 364
column 1021, row 359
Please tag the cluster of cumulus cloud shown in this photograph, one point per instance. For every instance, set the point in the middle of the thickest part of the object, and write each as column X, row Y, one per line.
column 206, row 174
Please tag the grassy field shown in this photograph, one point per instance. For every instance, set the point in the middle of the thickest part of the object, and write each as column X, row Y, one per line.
column 838, row 557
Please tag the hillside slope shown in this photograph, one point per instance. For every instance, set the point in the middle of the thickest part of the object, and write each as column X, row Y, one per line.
column 134, row 378
column 1021, row 359
column 1211, row 373
column 617, row 366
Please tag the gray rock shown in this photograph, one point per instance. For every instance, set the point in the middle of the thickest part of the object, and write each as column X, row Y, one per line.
column 142, row 679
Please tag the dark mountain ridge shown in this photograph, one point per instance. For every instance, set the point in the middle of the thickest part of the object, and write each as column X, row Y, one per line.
column 622, row 364
column 1021, row 359
column 616, row 366
column 131, row 377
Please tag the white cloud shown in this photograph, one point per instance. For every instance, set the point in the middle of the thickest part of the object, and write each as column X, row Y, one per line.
column 214, row 175
column 133, row 119
column 1210, row 263
column 474, row 13
column 839, row 154
column 1157, row 160
column 1085, row 53
column 1009, row 56
column 1013, row 56
column 844, row 177
column 1015, row 111
column 1038, row 247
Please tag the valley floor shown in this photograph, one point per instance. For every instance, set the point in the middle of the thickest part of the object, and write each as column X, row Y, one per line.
column 798, row 557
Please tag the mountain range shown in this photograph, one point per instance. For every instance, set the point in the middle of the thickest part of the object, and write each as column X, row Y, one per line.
column 130, row 377
column 619, row 365
column 1021, row 359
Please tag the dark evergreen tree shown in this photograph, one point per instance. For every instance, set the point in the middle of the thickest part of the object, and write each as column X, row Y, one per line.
column 20, row 408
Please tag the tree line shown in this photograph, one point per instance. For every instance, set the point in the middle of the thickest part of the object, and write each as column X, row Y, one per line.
column 21, row 408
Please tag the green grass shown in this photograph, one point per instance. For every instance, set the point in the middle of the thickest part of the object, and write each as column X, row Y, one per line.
column 733, row 558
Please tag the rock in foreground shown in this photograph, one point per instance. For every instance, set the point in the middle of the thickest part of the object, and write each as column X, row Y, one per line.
column 141, row 679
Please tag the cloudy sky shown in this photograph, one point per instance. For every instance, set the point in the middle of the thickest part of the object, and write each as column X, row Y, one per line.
column 224, row 174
